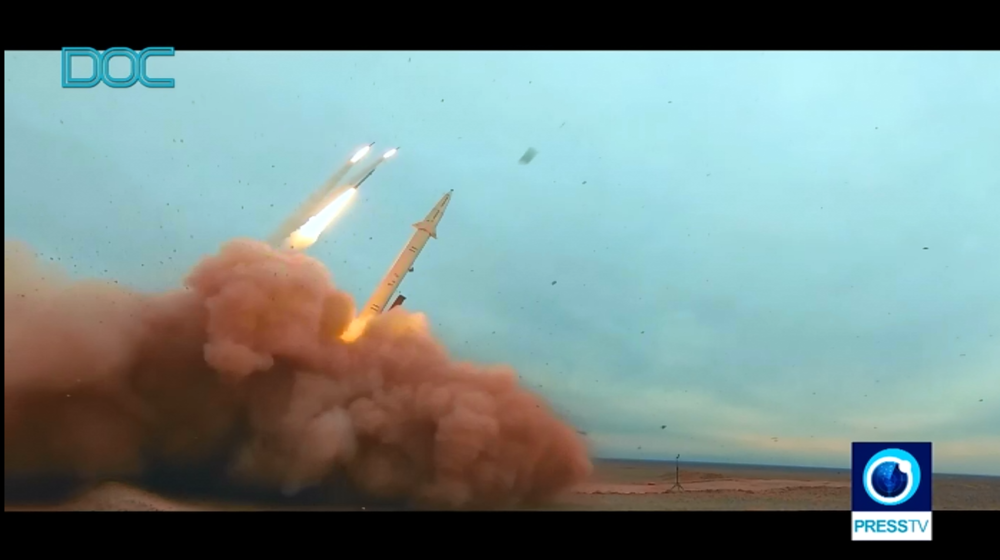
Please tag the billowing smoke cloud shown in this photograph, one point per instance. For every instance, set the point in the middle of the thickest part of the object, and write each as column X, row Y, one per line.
column 243, row 375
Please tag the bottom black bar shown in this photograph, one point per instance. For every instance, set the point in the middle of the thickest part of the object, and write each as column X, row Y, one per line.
column 468, row 532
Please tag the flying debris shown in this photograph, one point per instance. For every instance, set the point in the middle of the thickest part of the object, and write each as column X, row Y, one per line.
column 528, row 156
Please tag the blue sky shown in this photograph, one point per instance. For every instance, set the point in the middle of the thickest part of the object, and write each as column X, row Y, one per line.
column 737, row 239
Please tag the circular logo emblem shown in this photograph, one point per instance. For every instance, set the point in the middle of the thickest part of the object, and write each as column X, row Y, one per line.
column 891, row 477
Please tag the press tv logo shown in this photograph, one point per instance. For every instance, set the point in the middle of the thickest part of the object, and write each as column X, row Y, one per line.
column 891, row 491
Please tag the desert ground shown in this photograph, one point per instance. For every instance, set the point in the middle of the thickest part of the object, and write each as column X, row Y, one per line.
column 645, row 485
column 615, row 485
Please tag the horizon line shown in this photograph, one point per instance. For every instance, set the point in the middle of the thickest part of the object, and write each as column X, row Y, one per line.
column 770, row 466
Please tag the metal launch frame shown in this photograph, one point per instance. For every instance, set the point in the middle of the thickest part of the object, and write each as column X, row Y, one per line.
column 677, row 476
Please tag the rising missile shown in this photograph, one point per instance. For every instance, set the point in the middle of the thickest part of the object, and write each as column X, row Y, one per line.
column 318, row 199
column 426, row 229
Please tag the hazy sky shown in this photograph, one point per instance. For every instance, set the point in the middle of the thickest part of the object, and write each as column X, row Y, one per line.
column 758, row 257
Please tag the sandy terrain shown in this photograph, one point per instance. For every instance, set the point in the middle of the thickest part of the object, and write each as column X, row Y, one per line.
column 638, row 485
column 621, row 485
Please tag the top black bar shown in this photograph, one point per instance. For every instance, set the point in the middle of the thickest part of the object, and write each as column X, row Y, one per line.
column 497, row 36
column 421, row 26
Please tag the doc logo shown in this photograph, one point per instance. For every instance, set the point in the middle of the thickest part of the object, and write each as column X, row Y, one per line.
column 891, row 491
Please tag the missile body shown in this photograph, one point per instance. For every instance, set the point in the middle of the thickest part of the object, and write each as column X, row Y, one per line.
column 317, row 200
column 426, row 229
column 367, row 171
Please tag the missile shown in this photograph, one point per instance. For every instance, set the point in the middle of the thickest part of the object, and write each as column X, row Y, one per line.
column 319, row 199
column 367, row 171
column 426, row 229
column 329, row 206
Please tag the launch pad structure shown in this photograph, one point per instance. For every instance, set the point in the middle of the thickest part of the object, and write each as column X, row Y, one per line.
column 677, row 476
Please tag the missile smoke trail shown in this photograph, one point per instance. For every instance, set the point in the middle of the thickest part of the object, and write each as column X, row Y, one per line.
column 242, row 375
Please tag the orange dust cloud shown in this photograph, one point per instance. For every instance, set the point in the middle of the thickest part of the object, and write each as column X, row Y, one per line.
column 245, row 374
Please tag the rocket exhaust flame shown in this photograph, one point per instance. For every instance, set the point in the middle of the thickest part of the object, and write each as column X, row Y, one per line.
column 367, row 171
column 361, row 154
column 309, row 233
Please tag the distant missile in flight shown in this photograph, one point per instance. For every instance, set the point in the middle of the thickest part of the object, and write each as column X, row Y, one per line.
column 330, row 206
column 426, row 229
column 315, row 202
column 367, row 171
